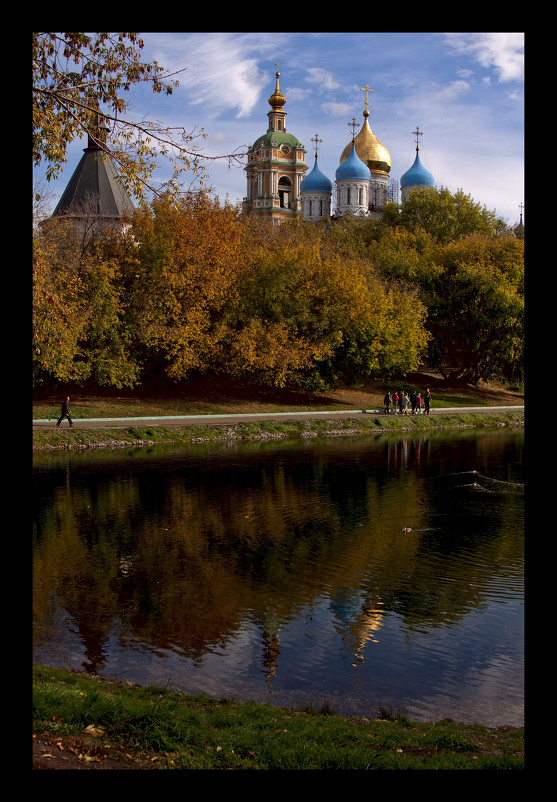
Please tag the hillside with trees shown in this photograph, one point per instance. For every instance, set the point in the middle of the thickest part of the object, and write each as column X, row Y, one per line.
column 194, row 287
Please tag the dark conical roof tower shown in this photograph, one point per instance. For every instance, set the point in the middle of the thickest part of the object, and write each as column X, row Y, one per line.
column 94, row 190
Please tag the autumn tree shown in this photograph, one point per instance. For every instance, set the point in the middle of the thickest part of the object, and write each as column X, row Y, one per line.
column 79, row 328
column 405, row 255
column 178, row 276
column 476, row 309
column 311, row 315
column 282, row 323
column 465, row 267
column 58, row 312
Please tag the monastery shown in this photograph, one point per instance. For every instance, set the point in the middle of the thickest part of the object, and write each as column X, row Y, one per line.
column 277, row 184
column 278, row 187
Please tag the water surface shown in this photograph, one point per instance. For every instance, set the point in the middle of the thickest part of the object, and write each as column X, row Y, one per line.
column 282, row 571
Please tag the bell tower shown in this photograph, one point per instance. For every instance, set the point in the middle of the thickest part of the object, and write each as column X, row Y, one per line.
column 276, row 166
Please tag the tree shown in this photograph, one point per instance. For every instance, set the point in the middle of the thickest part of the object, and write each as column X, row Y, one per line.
column 79, row 78
column 282, row 321
column 178, row 278
column 443, row 215
column 316, row 316
column 59, row 313
column 476, row 309
column 79, row 326
column 405, row 255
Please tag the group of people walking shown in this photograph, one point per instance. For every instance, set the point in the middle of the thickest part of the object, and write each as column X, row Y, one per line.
column 401, row 402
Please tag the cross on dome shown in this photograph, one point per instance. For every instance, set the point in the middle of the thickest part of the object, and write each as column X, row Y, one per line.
column 317, row 142
column 366, row 89
column 417, row 134
column 353, row 125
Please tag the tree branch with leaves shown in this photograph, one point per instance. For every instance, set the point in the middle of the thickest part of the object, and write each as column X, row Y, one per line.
column 79, row 79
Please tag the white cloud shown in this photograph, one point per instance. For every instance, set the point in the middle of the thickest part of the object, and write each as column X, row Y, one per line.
column 296, row 93
column 453, row 90
column 503, row 52
column 336, row 109
column 324, row 78
column 222, row 69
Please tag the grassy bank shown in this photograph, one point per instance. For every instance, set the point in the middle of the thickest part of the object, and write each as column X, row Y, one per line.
column 139, row 435
column 96, row 723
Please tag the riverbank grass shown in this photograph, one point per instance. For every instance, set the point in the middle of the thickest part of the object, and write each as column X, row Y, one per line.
column 154, row 727
column 368, row 424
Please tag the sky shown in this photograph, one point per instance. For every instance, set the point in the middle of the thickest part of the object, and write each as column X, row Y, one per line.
column 465, row 92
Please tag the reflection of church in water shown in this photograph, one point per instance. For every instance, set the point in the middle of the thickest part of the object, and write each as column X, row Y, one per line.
column 278, row 187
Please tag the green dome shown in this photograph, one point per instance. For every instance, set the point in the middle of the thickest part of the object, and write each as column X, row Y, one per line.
column 275, row 139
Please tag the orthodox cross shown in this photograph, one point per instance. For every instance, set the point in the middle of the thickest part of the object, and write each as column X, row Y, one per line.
column 317, row 141
column 353, row 125
column 418, row 134
column 366, row 89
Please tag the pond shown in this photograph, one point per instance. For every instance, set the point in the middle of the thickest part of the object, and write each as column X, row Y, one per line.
column 359, row 572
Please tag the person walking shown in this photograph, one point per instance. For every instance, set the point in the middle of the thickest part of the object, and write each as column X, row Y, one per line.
column 405, row 401
column 418, row 403
column 395, row 401
column 427, row 401
column 400, row 400
column 387, row 403
column 65, row 411
column 413, row 401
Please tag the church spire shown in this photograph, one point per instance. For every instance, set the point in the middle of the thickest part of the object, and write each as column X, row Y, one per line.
column 96, row 136
column 277, row 99
column 277, row 117
column 369, row 149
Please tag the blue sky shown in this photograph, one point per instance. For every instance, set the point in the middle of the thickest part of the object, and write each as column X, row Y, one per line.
column 465, row 91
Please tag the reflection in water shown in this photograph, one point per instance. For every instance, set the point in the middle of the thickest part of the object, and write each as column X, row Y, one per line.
column 361, row 572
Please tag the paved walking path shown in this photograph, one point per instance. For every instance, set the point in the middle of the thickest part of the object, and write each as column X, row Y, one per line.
column 215, row 420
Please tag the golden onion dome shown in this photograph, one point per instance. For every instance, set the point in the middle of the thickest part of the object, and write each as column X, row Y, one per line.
column 277, row 99
column 369, row 149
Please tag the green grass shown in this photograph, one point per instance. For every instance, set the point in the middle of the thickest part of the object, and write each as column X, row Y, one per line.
column 178, row 731
column 133, row 435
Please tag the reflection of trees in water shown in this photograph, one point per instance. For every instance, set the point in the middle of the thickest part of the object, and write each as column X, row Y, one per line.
column 178, row 555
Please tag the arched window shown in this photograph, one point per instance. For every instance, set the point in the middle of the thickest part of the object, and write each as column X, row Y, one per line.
column 284, row 188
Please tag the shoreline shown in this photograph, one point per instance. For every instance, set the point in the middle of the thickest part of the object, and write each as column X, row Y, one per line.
column 182, row 731
column 148, row 432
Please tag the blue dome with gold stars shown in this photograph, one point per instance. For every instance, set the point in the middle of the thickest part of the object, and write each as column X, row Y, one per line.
column 352, row 167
